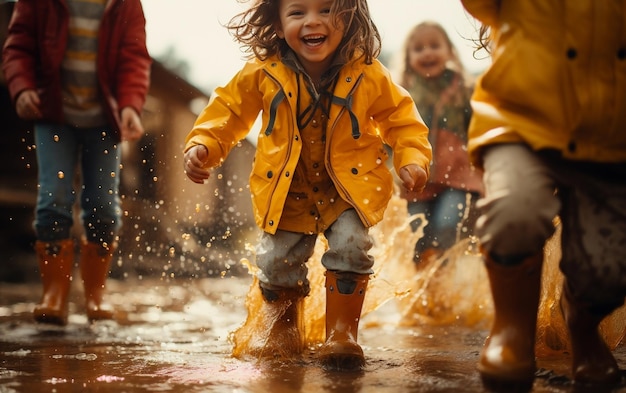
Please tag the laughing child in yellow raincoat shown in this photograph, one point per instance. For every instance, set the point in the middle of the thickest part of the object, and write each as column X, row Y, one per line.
column 549, row 129
column 328, row 109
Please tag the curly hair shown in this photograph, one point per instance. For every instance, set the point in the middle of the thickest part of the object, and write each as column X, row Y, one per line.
column 255, row 29
column 483, row 42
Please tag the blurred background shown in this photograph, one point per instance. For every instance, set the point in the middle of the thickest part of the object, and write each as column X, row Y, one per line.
column 173, row 227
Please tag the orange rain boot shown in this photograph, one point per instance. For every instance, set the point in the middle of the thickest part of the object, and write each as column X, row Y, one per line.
column 282, row 317
column 345, row 293
column 95, row 260
column 507, row 361
column 56, row 262
column 592, row 360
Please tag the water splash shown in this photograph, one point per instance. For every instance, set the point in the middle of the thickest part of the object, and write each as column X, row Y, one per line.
column 450, row 289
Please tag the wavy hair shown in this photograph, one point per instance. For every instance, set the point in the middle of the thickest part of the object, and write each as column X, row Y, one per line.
column 255, row 29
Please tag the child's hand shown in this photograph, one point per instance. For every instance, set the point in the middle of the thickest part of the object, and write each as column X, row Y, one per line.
column 27, row 105
column 413, row 177
column 195, row 158
column 132, row 129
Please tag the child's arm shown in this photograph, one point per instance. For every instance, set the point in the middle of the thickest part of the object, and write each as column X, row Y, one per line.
column 229, row 115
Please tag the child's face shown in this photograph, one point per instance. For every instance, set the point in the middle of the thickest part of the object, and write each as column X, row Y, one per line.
column 309, row 29
column 428, row 52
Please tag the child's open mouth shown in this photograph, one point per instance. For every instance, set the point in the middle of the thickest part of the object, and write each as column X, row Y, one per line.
column 314, row 39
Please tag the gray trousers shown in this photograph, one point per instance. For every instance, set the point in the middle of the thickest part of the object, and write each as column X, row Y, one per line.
column 282, row 257
column 525, row 191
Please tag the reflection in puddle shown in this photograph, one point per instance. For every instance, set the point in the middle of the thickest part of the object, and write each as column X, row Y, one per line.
column 422, row 330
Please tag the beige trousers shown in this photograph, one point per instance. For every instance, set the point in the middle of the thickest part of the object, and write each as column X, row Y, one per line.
column 282, row 258
column 526, row 190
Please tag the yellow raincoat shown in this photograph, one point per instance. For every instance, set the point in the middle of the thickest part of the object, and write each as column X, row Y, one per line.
column 557, row 79
column 368, row 110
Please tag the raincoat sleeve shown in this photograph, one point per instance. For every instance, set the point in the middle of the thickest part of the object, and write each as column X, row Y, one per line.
column 485, row 11
column 133, row 66
column 229, row 115
column 400, row 124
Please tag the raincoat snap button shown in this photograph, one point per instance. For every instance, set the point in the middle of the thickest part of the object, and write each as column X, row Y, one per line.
column 355, row 171
column 571, row 53
column 271, row 222
column 270, row 174
column 571, row 146
column 349, row 79
column 286, row 174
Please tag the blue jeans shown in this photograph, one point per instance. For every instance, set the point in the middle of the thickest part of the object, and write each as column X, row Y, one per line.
column 448, row 220
column 61, row 150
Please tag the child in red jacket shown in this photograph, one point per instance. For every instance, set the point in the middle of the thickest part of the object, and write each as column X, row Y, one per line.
column 82, row 76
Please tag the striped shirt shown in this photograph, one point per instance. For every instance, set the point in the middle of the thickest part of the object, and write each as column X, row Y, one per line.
column 82, row 104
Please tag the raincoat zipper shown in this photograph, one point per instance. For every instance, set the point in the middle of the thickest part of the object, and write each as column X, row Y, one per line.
column 278, row 98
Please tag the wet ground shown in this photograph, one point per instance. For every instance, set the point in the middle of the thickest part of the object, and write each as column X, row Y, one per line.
column 173, row 336
column 422, row 330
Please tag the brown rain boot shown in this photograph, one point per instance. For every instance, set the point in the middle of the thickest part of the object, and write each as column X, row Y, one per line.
column 345, row 293
column 282, row 315
column 592, row 360
column 56, row 262
column 507, row 361
column 95, row 260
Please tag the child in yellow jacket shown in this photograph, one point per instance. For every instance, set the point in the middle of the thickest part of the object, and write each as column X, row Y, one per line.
column 549, row 131
column 328, row 108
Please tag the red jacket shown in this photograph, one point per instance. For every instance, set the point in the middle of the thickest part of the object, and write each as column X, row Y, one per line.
column 35, row 47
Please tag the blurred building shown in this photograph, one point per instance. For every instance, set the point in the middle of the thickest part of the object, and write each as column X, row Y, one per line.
column 172, row 227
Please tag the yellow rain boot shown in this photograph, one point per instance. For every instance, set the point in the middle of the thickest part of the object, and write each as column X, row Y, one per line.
column 56, row 262
column 345, row 293
column 507, row 361
column 282, row 318
column 592, row 360
column 95, row 260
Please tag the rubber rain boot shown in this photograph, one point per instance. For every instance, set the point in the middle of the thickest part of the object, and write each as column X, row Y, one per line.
column 592, row 360
column 282, row 318
column 56, row 263
column 507, row 360
column 345, row 293
column 95, row 261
